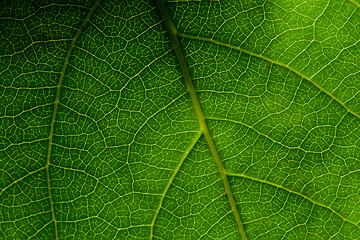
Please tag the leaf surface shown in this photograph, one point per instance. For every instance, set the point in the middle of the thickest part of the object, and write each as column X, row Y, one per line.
column 180, row 120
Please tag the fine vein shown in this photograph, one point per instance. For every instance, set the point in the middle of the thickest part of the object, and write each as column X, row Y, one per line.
column 56, row 104
column 172, row 32
column 184, row 156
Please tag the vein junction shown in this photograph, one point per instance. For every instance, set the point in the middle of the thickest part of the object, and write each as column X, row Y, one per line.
column 172, row 32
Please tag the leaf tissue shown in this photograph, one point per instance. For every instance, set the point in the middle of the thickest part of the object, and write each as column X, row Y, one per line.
column 180, row 119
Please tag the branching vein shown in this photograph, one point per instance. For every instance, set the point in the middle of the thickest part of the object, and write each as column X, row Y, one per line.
column 172, row 32
column 296, row 193
column 188, row 36
column 171, row 180
column 56, row 104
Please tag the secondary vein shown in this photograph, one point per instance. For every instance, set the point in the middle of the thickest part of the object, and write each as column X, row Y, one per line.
column 56, row 105
column 172, row 32
column 184, row 156
column 355, row 2
column 318, row 86
column 293, row 192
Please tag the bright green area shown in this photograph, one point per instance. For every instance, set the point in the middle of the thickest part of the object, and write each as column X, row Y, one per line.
column 106, row 132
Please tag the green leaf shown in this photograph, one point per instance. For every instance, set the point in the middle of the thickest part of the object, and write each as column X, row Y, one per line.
column 180, row 120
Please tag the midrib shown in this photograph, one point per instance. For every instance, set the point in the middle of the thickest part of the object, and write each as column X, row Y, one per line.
column 172, row 32
column 56, row 104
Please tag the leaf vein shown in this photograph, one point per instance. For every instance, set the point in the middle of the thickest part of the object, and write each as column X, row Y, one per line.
column 56, row 104
column 228, row 45
column 176, row 170
column 172, row 33
column 294, row 192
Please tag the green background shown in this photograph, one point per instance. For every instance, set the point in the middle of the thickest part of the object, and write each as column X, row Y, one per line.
column 99, row 138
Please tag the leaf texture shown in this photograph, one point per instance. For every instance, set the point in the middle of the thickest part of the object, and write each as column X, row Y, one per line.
column 180, row 119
